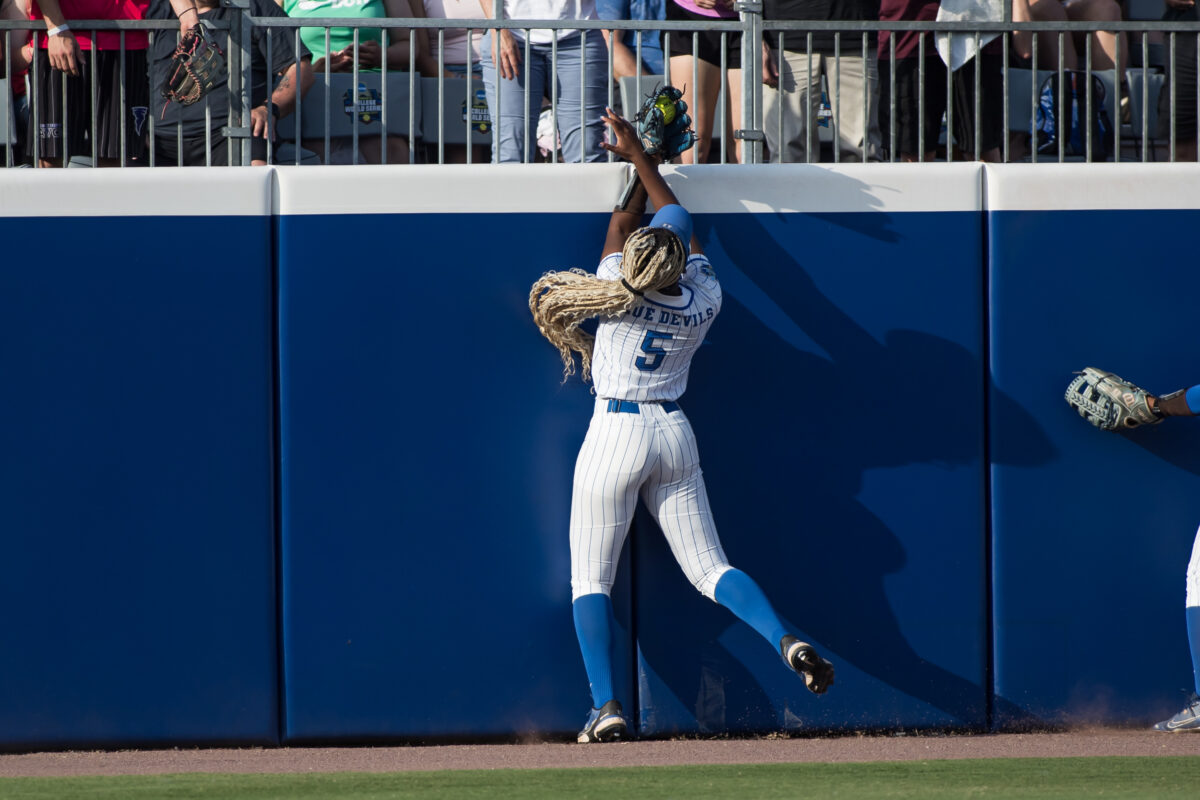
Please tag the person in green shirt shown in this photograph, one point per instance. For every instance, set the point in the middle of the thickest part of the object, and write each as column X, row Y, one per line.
column 339, row 57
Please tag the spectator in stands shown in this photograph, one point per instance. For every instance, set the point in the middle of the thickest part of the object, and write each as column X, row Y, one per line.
column 340, row 58
column 907, row 76
column 14, row 64
column 1104, row 43
column 458, row 58
column 795, row 93
column 507, row 78
column 1180, row 84
column 79, row 54
column 623, row 45
column 704, row 61
column 199, row 142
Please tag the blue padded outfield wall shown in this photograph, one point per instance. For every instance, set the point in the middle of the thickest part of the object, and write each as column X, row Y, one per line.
column 137, row 539
column 308, row 479
column 1091, row 532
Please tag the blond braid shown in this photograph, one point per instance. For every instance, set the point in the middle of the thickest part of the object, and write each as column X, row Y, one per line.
column 653, row 258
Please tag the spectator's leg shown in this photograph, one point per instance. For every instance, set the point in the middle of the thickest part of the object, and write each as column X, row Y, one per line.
column 1104, row 43
column 798, row 99
column 991, row 118
column 109, row 110
column 508, row 118
column 701, row 101
column 733, row 116
column 571, row 55
column 370, row 150
column 908, row 119
column 1047, row 43
column 57, row 143
column 1181, row 82
column 857, row 79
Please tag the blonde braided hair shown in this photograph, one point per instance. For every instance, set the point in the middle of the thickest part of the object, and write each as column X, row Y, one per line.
column 653, row 258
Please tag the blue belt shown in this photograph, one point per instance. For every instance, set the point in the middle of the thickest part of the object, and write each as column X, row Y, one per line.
column 630, row 407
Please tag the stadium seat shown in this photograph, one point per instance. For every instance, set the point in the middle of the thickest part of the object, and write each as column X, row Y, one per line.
column 398, row 97
column 450, row 125
column 1151, row 83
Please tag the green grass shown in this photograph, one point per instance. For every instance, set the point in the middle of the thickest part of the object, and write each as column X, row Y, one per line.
column 1141, row 778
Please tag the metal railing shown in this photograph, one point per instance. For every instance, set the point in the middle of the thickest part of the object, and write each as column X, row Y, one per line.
column 1136, row 138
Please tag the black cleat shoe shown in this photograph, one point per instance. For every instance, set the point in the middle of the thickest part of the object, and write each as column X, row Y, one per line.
column 801, row 657
column 605, row 724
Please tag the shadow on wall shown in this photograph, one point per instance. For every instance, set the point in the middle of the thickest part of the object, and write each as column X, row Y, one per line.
column 794, row 425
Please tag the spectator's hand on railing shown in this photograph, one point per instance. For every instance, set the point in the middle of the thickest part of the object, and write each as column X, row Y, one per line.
column 258, row 122
column 64, row 53
column 1181, row 3
column 506, row 55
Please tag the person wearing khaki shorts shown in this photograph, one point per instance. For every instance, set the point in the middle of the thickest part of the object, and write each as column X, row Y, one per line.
column 796, row 72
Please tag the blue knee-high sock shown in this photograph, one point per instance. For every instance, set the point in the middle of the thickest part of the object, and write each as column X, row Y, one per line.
column 1193, row 626
column 738, row 592
column 593, row 626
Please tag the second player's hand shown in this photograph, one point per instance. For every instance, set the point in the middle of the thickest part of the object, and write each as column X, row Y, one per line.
column 626, row 143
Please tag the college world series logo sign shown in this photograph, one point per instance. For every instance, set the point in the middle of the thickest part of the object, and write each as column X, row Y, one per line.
column 365, row 103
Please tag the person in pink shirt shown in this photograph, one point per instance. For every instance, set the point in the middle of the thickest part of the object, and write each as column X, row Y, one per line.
column 460, row 58
column 78, row 53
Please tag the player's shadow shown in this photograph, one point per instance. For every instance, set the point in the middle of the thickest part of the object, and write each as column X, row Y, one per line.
column 1174, row 444
column 829, row 401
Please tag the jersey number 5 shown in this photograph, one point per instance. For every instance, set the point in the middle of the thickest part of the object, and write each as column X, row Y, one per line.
column 654, row 354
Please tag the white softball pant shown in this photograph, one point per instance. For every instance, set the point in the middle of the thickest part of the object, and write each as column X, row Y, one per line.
column 652, row 451
column 1193, row 574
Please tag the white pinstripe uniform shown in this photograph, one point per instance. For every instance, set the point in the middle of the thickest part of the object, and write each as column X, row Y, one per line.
column 644, row 357
column 1193, row 574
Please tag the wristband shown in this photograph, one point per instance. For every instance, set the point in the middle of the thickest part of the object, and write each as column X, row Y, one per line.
column 58, row 30
column 272, row 109
column 193, row 10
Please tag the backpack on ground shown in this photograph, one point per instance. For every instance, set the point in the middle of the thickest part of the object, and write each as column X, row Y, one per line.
column 1072, row 127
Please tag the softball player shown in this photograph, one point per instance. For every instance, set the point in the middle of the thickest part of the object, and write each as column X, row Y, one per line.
column 1183, row 404
column 655, row 304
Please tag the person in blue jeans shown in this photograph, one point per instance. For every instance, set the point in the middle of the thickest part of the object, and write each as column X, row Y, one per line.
column 577, row 81
column 624, row 44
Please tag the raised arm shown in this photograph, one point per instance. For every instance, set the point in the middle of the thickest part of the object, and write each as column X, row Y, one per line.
column 188, row 14
column 650, row 186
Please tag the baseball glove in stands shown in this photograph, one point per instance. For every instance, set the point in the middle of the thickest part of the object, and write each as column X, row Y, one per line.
column 1110, row 402
column 196, row 66
column 663, row 124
